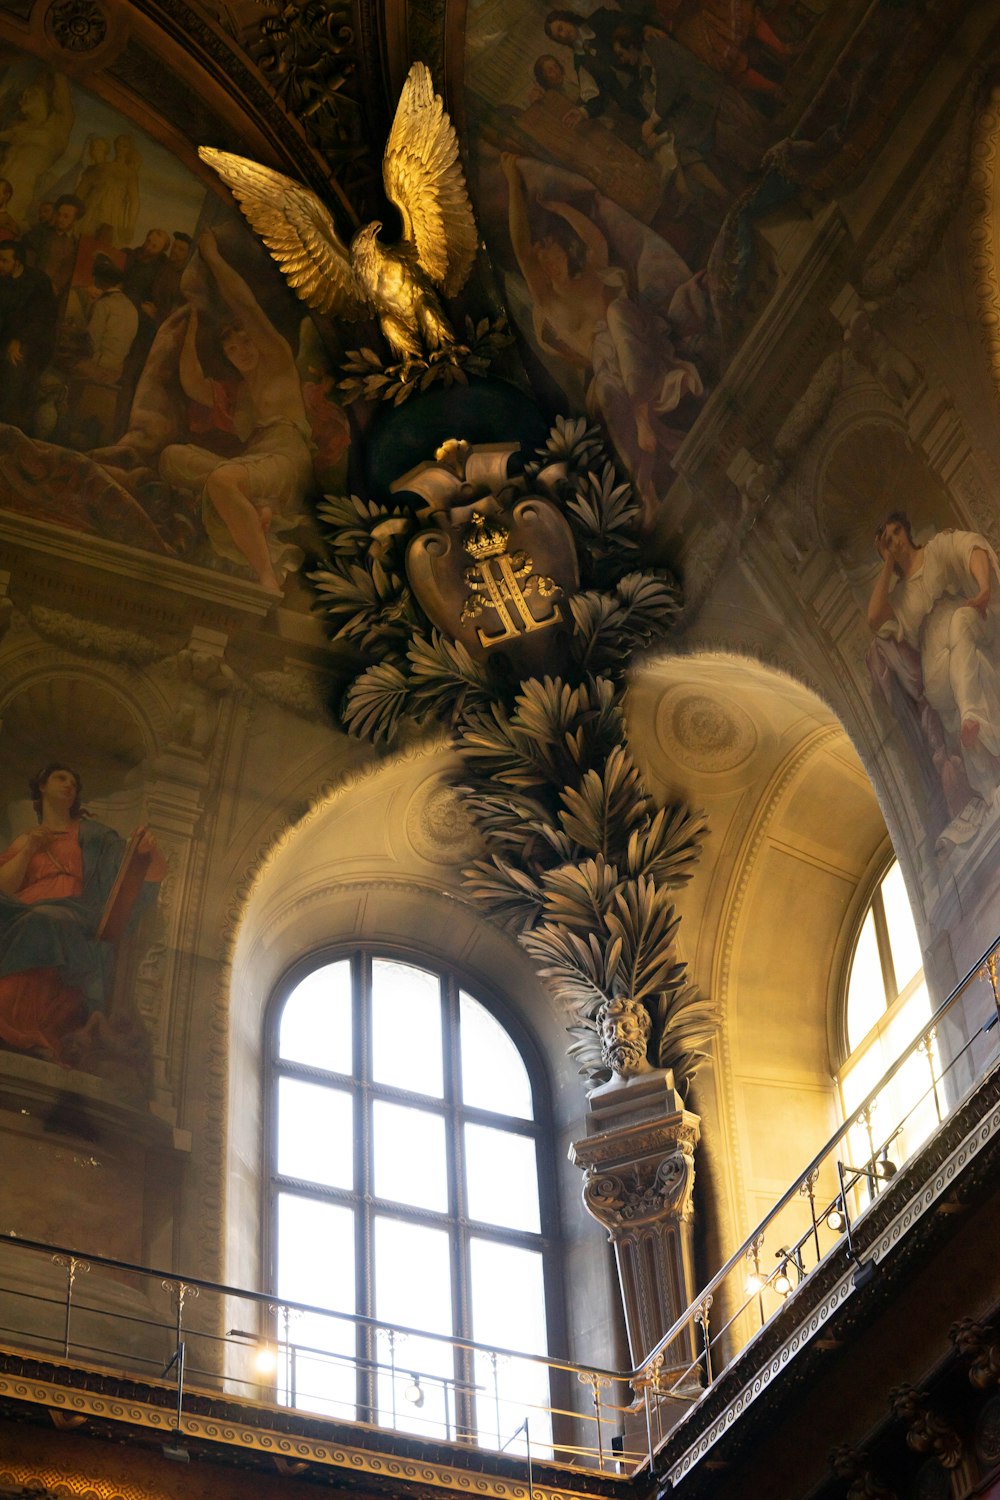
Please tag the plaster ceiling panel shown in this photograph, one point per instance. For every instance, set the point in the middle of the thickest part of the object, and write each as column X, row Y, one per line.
column 832, row 812
column 780, row 968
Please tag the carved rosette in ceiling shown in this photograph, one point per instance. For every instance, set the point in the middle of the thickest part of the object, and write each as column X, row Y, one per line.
column 699, row 732
column 76, row 25
column 439, row 827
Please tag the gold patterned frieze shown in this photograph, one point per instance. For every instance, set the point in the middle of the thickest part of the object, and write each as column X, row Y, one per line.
column 254, row 1435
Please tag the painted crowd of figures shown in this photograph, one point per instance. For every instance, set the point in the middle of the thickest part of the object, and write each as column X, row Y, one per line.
column 138, row 342
column 625, row 160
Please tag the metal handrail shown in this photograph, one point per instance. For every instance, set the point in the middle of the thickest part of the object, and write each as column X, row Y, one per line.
column 649, row 1377
column 985, row 964
column 271, row 1300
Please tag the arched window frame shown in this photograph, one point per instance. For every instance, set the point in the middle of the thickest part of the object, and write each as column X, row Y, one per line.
column 912, row 1081
column 453, row 979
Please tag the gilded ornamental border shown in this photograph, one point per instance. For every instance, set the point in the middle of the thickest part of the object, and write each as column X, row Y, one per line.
column 296, row 1448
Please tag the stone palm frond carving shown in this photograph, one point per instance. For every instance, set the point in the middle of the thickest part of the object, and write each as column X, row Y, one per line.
column 578, row 861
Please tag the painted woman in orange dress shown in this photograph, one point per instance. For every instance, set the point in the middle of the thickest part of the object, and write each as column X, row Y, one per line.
column 54, row 882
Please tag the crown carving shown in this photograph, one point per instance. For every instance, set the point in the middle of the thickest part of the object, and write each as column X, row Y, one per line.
column 482, row 540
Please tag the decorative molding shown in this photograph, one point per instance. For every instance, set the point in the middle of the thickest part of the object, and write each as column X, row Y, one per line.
column 88, row 638
column 986, row 1438
column 298, row 692
column 926, row 1431
column 854, row 1465
column 702, row 733
column 913, row 237
column 984, row 228
column 308, row 54
column 76, row 26
column 974, row 1341
column 643, row 1193
column 438, row 826
column 248, row 1430
column 37, row 1482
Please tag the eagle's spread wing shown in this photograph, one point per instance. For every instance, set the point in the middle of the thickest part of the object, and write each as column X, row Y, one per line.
column 297, row 230
column 423, row 177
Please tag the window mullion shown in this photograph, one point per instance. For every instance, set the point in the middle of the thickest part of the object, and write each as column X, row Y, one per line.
column 461, row 1298
column 884, row 947
column 363, row 1173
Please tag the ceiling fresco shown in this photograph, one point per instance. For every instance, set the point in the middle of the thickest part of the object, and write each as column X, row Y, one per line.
column 623, row 161
column 128, row 393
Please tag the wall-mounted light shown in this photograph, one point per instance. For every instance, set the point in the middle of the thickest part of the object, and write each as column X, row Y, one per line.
column 265, row 1354
column 836, row 1219
column 754, row 1283
column 414, row 1392
column 790, row 1257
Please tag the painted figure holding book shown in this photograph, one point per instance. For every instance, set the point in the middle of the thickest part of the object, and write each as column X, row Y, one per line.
column 68, row 890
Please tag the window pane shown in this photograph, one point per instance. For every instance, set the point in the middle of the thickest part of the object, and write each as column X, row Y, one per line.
column 413, row 1289
column 493, row 1073
column 866, row 988
column 406, row 1027
column 911, row 1018
column 327, row 1382
column 315, row 1133
column 316, row 1020
column 410, row 1161
column 513, row 1322
column 412, row 1275
column 315, row 1254
column 904, row 944
column 501, row 1179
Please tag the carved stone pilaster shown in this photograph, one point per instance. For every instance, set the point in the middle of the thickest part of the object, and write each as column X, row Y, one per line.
column 639, row 1161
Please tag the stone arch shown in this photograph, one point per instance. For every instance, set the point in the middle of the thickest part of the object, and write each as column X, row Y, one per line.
column 344, row 875
column 767, row 915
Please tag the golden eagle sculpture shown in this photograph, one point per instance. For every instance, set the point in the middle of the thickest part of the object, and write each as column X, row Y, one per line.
column 423, row 177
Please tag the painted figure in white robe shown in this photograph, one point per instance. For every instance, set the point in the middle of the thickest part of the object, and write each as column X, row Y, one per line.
column 939, row 604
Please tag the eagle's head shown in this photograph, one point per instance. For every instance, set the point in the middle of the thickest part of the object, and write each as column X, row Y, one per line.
column 366, row 239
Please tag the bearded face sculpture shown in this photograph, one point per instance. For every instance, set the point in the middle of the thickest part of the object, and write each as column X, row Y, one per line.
column 624, row 1026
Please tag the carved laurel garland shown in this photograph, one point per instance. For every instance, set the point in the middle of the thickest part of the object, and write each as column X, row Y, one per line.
column 909, row 244
column 984, row 228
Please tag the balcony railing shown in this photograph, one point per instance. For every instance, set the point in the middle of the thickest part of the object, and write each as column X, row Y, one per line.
column 822, row 1210
column 187, row 1337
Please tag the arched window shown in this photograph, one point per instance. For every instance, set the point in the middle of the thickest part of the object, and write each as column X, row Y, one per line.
column 887, row 1004
column 406, row 1189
